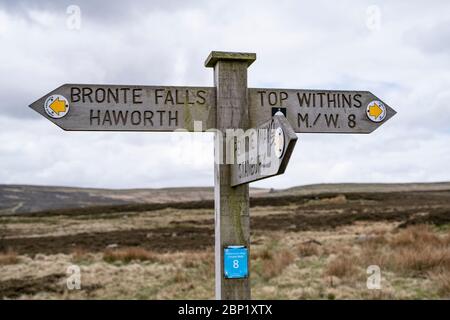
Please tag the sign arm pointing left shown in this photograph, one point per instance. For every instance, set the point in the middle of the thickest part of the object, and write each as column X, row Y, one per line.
column 83, row 107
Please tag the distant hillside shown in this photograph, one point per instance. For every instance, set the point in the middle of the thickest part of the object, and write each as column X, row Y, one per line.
column 365, row 187
column 23, row 198
column 16, row 199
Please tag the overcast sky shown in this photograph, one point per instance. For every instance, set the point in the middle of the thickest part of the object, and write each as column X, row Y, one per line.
column 399, row 50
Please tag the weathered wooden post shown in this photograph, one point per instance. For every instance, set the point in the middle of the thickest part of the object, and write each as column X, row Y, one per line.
column 232, row 220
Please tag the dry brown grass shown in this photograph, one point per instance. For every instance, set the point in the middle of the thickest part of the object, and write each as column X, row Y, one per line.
column 447, row 239
column 416, row 236
column 339, row 199
column 442, row 278
column 308, row 249
column 416, row 249
column 8, row 257
column 129, row 254
column 80, row 255
column 342, row 266
column 195, row 259
column 273, row 266
column 202, row 261
column 263, row 254
column 421, row 260
column 180, row 276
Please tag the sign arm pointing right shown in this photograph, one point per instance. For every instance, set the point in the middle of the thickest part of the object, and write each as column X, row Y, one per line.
column 320, row 111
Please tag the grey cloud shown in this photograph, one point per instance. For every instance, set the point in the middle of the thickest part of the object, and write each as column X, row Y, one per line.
column 116, row 12
column 430, row 40
column 41, row 56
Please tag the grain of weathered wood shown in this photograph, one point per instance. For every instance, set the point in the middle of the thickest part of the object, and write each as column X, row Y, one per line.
column 232, row 220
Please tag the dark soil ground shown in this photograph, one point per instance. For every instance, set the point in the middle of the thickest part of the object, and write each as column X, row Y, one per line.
column 14, row 288
column 303, row 213
column 159, row 240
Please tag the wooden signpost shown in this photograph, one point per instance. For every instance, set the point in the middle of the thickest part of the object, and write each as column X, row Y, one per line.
column 254, row 136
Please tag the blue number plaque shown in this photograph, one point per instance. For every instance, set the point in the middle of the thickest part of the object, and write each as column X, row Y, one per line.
column 235, row 262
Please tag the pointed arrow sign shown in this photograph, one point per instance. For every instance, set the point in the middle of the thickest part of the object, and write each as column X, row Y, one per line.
column 321, row 111
column 263, row 152
column 128, row 108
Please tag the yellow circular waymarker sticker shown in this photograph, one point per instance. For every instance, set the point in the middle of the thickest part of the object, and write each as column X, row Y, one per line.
column 56, row 106
column 376, row 111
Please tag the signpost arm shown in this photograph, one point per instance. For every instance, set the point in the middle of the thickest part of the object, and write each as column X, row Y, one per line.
column 232, row 220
